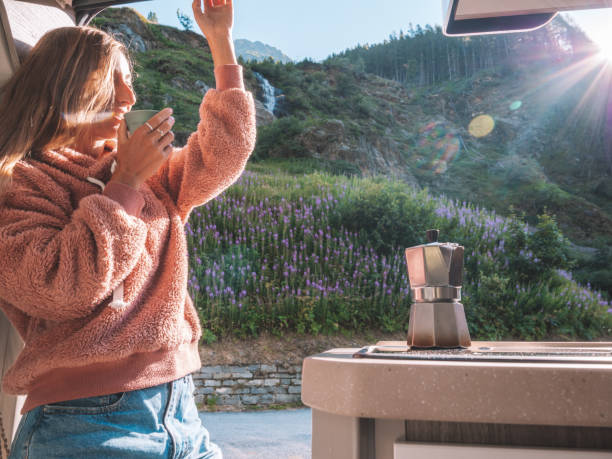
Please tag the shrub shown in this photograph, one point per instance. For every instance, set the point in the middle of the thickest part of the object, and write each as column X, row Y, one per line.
column 279, row 139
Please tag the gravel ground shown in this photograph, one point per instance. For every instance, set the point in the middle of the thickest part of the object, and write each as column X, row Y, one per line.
column 283, row 434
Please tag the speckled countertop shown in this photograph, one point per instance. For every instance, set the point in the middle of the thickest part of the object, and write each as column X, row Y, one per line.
column 509, row 392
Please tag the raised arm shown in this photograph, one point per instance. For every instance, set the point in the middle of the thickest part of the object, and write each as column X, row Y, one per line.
column 216, row 154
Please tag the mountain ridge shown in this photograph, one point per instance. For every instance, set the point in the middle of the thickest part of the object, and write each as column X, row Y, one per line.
column 258, row 51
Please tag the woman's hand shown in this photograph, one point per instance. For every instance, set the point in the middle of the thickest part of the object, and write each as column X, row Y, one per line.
column 140, row 155
column 216, row 24
column 216, row 20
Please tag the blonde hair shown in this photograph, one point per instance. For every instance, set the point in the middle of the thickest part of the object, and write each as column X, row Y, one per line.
column 49, row 101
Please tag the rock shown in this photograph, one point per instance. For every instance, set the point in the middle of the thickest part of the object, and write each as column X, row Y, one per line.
column 259, row 390
column 322, row 141
column 204, row 390
column 286, row 398
column 242, row 374
column 180, row 83
column 136, row 33
column 207, row 372
column 262, row 114
column 233, row 400
column 129, row 38
column 201, row 86
column 222, row 375
column 250, row 399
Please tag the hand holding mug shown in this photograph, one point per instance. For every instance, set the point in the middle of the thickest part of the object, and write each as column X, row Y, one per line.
column 140, row 154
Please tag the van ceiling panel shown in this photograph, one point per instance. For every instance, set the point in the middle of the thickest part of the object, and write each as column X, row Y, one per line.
column 8, row 56
column 26, row 31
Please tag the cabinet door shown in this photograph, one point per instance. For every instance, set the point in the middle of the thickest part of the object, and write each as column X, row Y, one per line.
column 404, row 450
column 10, row 405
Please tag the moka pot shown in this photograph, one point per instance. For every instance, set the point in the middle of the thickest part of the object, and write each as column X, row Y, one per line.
column 437, row 318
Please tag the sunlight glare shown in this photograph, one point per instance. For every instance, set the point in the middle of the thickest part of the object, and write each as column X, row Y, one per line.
column 606, row 54
column 605, row 49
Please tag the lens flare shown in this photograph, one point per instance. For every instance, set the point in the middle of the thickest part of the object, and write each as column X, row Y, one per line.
column 78, row 118
column 605, row 51
column 516, row 105
column 481, row 126
column 438, row 146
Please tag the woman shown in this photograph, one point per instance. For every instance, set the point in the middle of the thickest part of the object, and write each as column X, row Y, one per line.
column 94, row 256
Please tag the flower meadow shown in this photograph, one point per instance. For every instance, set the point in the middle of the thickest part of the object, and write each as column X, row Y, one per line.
column 325, row 254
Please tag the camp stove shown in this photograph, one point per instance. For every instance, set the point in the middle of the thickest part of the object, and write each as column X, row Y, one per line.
column 498, row 351
column 438, row 331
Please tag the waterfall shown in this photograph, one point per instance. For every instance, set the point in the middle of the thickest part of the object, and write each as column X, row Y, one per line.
column 269, row 92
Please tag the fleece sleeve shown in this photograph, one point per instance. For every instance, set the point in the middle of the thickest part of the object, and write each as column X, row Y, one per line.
column 59, row 264
column 216, row 154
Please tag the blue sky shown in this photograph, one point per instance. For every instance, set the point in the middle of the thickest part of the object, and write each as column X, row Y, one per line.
column 318, row 28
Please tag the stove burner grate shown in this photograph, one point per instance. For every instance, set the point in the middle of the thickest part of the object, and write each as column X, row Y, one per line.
column 519, row 354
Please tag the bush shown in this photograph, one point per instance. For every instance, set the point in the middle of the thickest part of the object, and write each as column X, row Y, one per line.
column 386, row 215
column 596, row 270
column 280, row 139
column 537, row 256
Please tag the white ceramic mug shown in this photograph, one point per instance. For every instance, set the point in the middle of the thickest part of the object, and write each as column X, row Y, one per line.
column 137, row 118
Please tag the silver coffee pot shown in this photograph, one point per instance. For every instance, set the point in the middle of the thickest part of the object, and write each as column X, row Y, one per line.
column 437, row 318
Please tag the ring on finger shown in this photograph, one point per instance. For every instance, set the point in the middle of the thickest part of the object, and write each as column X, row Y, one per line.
column 149, row 126
column 161, row 133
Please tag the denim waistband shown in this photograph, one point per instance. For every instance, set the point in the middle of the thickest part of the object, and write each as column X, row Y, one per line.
column 159, row 421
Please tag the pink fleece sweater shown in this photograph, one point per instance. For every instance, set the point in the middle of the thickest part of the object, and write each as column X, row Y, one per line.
column 65, row 246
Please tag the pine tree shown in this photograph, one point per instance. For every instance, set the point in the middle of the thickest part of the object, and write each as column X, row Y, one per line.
column 185, row 20
column 152, row 17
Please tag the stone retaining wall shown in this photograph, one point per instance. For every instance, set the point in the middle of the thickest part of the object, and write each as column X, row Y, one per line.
column 250, row 386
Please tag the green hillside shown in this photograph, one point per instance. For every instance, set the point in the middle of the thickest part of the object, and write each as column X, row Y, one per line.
column 340, row 119
column 546, row 151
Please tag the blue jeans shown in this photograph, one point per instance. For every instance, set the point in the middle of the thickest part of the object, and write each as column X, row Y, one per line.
column 160, row 421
